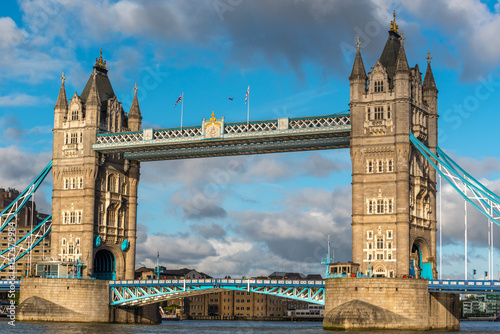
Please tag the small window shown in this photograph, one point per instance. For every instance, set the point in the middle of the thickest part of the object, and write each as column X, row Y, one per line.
column 370, row 166
column 380, row 243
column 80, row 183
column 380, row 166
column 389, row 205
column 370, row 235
column 370, row 206
column 380, row 256
column 368, row 114
column 389, row 257
column 388, row 112
column 74, row 115
column 66, row 183
column 390, row 167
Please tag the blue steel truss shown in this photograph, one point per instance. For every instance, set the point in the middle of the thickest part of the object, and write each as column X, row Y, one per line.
column 474, row 192
column 143, row 292
column 10, row 212
column 279, row 135
column 24, row 245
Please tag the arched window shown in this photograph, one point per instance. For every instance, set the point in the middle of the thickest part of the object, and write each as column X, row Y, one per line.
column 111, row 217
column 112, row 183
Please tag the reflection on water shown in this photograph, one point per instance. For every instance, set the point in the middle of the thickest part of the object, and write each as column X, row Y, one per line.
column 219, row 327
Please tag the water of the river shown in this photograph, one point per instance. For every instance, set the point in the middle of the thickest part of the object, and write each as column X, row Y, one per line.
column 219, row 327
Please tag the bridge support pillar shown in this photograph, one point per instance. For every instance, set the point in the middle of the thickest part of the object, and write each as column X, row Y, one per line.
column 76, row 300
column 386, row 304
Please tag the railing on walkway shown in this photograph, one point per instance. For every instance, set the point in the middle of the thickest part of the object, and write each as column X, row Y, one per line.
column 463, row 286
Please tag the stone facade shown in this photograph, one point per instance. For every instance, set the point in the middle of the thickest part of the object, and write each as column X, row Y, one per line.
column 94, row 202
column 76, row 300
column 393, row 186
column 385, row 303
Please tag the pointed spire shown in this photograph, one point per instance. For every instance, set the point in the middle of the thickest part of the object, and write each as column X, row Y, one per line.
column 62, row 101
column 358, row 69
column 401, row 61
column 394, row 26
column 134, row 115
column 429, row 82
column 93, row 99
column 135, row 110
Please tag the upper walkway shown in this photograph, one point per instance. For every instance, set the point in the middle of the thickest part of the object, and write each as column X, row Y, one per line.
column 216, row 138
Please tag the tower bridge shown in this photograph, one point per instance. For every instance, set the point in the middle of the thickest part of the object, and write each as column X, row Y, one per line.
column 391, row 131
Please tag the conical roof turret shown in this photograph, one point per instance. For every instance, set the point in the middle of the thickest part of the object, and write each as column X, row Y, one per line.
column 401, row 61
column 358, row 69
column 429, row 82
column 62, row 101
column 135, row 110
column 93, row 98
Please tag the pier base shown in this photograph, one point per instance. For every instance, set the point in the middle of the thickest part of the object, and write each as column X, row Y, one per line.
column 388, row 303
column 76, row 300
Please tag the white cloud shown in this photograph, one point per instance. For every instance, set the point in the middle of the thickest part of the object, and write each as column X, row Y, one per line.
column 22, row 100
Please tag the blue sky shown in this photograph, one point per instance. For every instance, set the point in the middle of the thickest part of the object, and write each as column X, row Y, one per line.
column 253, row 214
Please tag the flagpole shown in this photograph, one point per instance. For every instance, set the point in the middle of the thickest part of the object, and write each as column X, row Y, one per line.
column 248, row 107
column 182, row 108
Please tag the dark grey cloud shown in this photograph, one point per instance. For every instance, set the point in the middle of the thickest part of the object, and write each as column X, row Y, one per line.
column 208, row 231
column 177, row 249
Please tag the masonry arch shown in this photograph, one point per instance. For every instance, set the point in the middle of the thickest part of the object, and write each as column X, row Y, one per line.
column 420, row 258
column 104, row 265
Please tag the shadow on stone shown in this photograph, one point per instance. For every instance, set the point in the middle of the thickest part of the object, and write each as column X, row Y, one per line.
column 35, row 307
column 357, row 314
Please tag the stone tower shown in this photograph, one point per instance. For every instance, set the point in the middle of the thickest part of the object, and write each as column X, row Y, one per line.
column 94, row 201
column 393, row 187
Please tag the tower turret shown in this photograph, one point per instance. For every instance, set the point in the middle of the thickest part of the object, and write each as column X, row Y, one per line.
column 134, row 115
column 402, row 73
column 61, row 107
column 358, row 76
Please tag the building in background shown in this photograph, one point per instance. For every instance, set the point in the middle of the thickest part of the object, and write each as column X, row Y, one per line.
column 27, row 218
column 481, row 306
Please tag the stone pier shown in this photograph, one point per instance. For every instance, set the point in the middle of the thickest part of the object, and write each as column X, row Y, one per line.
column 76, row 300
column 386, row 304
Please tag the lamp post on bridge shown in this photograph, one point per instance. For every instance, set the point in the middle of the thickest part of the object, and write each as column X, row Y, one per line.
column 473, row 273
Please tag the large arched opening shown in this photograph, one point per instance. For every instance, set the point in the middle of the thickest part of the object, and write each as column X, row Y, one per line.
column 104, row 265
column 419, row 260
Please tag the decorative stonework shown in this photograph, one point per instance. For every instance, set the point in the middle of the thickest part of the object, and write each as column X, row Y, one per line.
column 213, row 127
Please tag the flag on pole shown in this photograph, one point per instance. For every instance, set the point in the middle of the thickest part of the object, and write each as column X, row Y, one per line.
column 246, row 96
column 178, row 100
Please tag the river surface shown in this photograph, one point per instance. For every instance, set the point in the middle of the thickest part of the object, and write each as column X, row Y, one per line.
column 212, row 326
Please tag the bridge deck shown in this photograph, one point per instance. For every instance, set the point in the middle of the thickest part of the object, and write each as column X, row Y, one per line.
column 280, row 135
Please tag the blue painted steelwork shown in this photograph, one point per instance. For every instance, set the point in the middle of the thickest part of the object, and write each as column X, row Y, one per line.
column 16, row 206
column 483, row 199
column 142, row 292
column 462, row 286
column 6, row 285
column 280, row 135
column 24, row 245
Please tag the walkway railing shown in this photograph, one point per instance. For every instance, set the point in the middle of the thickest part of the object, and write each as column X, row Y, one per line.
column 280, row 135
column 463, row 286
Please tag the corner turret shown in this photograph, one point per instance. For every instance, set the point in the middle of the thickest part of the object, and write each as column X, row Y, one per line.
column 134, row 115
column 61, row 107
column 358, row 76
